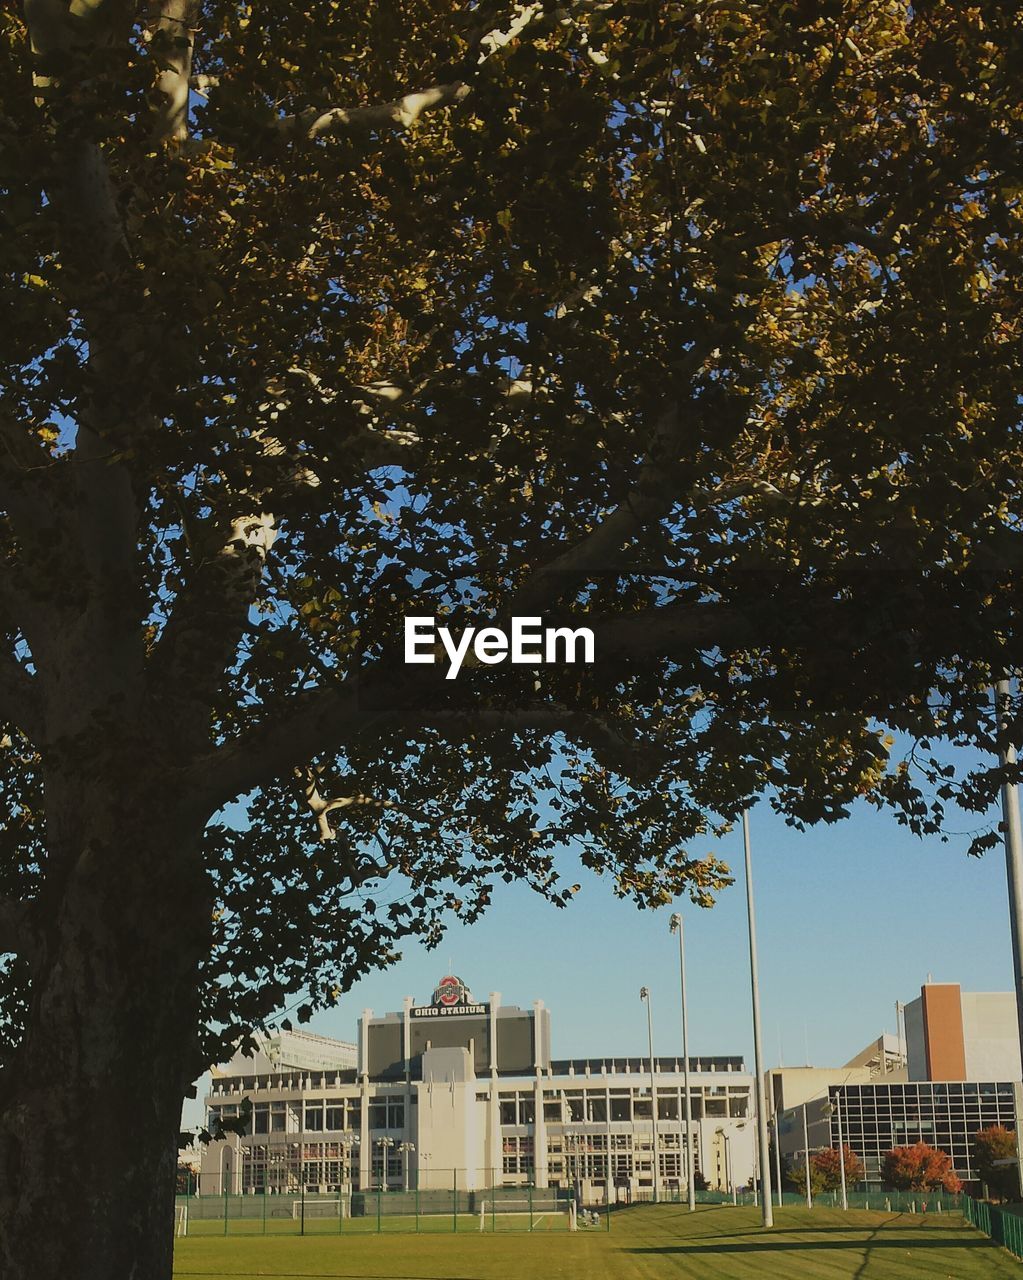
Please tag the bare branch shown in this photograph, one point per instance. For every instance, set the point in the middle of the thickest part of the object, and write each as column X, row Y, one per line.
column 402, row 113
column 323, row 808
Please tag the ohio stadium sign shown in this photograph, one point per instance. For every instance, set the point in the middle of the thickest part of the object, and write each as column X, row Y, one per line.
column 452, row 997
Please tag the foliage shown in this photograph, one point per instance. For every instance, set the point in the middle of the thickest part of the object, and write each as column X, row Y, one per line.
column 795, row 1176
column 920, row 1167
column 992, row 1144
column 700, row 321
column 826, row 1168
column 700, row 1182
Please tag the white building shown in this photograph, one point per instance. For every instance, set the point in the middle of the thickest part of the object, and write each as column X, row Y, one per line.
column 465, row 1094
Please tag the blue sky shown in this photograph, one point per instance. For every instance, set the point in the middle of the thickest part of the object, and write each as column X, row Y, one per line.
column 850, row 918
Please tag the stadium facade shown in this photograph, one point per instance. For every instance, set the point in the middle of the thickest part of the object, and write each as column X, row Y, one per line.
column 467, row 1093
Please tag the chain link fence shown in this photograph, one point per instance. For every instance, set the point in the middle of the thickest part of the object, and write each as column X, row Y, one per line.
column 1004, row 1226
column 457, row 1208
column 451, row 1208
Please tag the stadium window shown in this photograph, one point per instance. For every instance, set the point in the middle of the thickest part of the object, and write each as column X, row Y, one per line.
column 621, row 1109
column 335, row 1115
column 378, row 1115
column 575, row 1109
column 667, row 1107
column 552, row 1112
column 641, row 1109
column 261, row 1118
column 395, row 1114
column 596, row 1108
column 314, row 1118
column 508, row 1114
column 527, row 1110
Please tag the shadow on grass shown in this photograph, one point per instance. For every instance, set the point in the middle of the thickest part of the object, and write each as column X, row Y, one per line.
column 799, row 1246
column 313, row 1275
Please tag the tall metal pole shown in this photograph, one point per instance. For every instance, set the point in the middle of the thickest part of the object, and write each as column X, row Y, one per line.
column 644, row 994
column 841, row 1151
column 767, row 1209
column 777, row 1154
column 676, row 927
column 806, row 1161
column 1013, row 853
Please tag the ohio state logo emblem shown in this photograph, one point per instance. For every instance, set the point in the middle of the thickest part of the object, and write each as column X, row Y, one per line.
column 451, row 991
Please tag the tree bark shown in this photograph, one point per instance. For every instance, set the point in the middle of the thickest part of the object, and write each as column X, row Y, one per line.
column 90, row 1108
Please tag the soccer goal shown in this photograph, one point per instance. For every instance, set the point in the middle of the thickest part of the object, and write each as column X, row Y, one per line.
column 181, row 1220
column 325, row 1208
column 541, row 1214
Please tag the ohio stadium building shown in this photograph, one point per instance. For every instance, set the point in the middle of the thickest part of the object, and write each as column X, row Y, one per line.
column 467, row 1093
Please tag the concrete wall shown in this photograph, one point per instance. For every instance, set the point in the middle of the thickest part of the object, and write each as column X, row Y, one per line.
column 916, row 1045
column 991, row 1035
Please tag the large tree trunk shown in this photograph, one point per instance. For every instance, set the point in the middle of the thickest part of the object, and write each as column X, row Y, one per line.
column 90, row 1108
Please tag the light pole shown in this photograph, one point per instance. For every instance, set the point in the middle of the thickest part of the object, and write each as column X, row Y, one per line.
column 406, row 1148
column 1013, row 851
column 676, row 927
column 835, row 1109
column 806, row 1161
column 348, row 1144
column 777, row 1153
column 385, row 1145
column 766, row 1208
column 729, row 1186
column 644, row 994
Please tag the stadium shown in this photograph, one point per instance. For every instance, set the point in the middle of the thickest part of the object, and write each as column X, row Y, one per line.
column 459, row 1095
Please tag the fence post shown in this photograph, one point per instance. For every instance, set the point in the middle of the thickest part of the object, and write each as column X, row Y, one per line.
column 529, row 1197
column 340, row 1208
column 264, row 1206
column 225, row 1211
column 301, row 1229
column 417, row 1203
column 454, row 1200
column 378, row 1202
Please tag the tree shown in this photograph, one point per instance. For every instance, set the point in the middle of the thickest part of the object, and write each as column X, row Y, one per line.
column 795, row 1175
column 920, row 1168
column 996, row 1143
column 698, row 323
column 826, row 1169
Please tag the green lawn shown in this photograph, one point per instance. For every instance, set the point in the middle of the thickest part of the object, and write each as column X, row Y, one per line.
column 645, row 1243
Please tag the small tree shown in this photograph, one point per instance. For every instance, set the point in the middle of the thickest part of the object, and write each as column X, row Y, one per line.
column 700, row 1182
column 795, row 1174
column 920, row 1168
column 990, row 1145
column 825, row 1166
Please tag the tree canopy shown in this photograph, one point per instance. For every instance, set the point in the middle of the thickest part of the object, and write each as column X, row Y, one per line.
column 997, row 1144
column 700, row 321
column 920, row 1167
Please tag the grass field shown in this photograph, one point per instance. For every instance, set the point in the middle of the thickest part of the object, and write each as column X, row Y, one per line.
column 645, row 1243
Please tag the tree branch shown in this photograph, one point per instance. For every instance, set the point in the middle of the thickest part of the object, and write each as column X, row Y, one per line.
column 649, row 499
column 402, row 113
column 320, row 721
column 210, row 616
column 172, row 43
